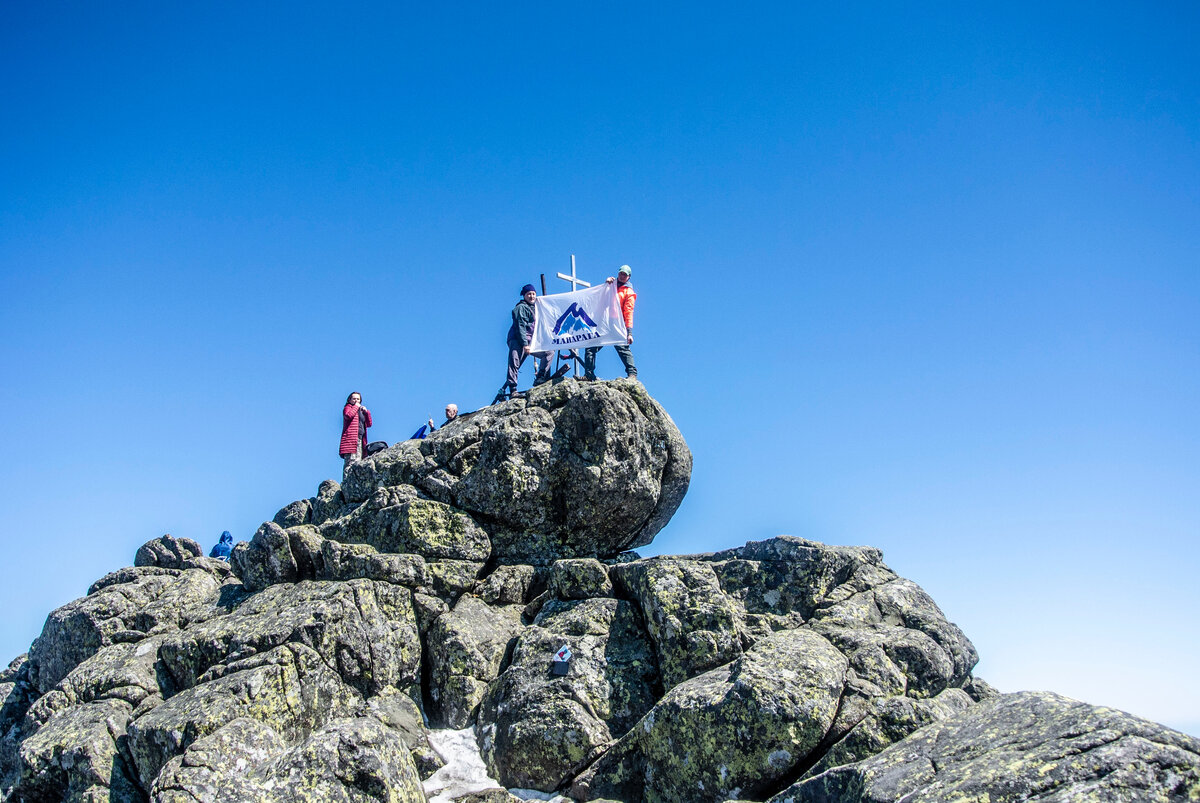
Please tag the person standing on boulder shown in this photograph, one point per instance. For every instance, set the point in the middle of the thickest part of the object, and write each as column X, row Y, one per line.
column 520, row 335
column 626, row 296
column 355, row 420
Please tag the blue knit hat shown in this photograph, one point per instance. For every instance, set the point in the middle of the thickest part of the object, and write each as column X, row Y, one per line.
column 527, row 288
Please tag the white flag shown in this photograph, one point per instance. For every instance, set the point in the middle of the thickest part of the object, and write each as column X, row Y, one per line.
column 590, row 317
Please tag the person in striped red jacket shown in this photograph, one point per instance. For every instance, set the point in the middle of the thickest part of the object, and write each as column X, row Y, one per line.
column 355, row 420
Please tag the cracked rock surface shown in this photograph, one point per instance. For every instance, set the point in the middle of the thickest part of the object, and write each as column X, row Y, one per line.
column 1025, row 746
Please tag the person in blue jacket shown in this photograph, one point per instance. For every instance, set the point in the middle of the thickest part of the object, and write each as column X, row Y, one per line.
column 223, row 548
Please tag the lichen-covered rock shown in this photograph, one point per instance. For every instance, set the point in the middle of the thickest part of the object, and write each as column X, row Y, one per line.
column 692, row 622
column 295, row 513
column 153, row 600
column 537, row 730
column 466, row 647
column 886, row 721
column 126, row 672
column 897, row 638
column 509, row 585
column 290, row 689
column 1024, row 746
column 16, row 692
column 779, row 665
column 348, row 761
column 793, row 577
column 398, row 712
column 398, row 522
column 354, row 561
column 569, row 470
column 579, row 578
column 329, row 503
column 366, row 631
column 450, row 579
column 216, row 768
column 352, row 760
column 267, row 559
column 496, row 795
column 731, row 732
column 979, row 689
column 169, row 552
column 74, row 756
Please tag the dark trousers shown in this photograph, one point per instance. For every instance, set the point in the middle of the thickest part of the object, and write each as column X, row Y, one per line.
column 623, row 351
column 517, row 355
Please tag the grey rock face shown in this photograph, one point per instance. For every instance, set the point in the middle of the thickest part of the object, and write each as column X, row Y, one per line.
column 537, row 730
column 692, row 621
column 151, row 600
column 509, row 585
column 354, row 561
column 365, row 631
column 289, row 689
column 466, row 647
column 409, row 524
column 168, row 552
column 731, row 732
column 295, row 514
column 1025, row 746
column 887, row 720
column 352, row 760
column 569, row 470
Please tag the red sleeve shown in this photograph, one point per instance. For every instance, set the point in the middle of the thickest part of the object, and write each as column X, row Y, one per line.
column 368, row 412
column 627, row 309
column 348, row 412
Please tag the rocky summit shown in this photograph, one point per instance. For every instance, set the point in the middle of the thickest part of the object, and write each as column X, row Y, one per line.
column 435, row 586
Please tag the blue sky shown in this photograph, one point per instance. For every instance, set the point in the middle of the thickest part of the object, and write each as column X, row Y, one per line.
column 921, row 277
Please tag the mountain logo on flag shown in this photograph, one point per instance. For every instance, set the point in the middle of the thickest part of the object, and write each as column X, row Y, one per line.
column 574, row 321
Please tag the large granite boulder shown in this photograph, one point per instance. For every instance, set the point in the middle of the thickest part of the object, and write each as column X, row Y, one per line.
column 731, row 732
column 570, row 469
column 1014, row 747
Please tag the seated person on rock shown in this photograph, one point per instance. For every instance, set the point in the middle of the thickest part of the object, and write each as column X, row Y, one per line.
column 223, row 548
column 451, row 414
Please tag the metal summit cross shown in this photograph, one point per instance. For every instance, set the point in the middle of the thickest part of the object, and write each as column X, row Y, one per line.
column 573, row 279
column 575, row 282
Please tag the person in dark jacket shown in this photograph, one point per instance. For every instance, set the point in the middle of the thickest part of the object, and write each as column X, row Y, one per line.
column 223, row 547
column 520, row 335
column 355, row 420
column 626, row 297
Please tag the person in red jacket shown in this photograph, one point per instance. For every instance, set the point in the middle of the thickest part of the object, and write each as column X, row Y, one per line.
column 355, row 420
column 626, row 296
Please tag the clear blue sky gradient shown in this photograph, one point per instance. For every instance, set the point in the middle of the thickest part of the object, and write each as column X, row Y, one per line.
column 925, row 277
